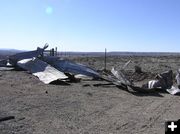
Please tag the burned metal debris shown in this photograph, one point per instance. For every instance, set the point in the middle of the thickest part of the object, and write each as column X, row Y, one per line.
column 51, row 69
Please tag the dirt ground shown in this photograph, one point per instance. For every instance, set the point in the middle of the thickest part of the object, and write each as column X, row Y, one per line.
column 82, row 108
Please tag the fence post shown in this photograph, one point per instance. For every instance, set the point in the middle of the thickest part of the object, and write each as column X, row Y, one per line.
column 105, row 59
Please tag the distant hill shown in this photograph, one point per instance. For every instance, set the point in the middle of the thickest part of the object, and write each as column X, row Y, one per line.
column 94, row 54
column 144, row 53
column 5, row 52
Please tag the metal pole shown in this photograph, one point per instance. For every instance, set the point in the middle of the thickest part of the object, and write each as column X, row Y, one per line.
column 56, row 53
column 52, row 51
column 105, row 60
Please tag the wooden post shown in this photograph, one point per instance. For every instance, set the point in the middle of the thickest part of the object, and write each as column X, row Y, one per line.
column 105, row 60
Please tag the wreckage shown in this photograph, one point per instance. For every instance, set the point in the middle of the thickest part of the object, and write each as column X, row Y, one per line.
column 42, row 70
column 50, row 69
column 71, row 67
column 47, row 68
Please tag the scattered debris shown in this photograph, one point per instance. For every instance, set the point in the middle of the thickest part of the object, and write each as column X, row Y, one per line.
column 113, row 80
column 163, row 80
column 178, row 78
column 137, row 69
column 86, row 85
column 6, row 118
column 126, row 64
column 82, row 77
column 105, row 84
column 53, row 70
column 173, row 90
column 121, row 77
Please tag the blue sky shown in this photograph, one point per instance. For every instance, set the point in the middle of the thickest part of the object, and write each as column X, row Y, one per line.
column 91, row 25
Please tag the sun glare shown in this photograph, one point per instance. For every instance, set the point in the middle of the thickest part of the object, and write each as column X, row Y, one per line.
column 49, row 10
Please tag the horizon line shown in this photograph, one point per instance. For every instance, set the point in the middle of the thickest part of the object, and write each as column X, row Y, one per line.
column 12, row 49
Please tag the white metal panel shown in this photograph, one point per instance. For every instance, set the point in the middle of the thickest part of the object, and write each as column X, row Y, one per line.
column 42, row 70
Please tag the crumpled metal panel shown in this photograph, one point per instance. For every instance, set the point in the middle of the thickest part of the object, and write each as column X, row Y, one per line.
column 42, row 70
column 71, row 67
column 26, row 55
column 121, row 77
column 173, row 90
column 83, row 77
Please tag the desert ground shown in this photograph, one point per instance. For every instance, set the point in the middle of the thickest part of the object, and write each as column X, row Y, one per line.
column 81, row 108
